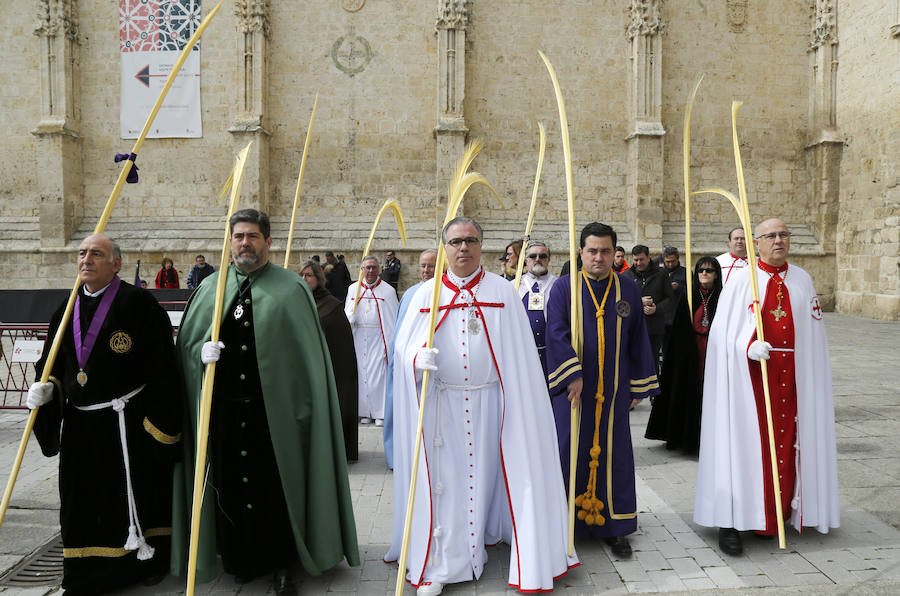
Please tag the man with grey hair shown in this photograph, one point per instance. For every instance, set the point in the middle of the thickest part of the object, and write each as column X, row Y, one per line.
column 488, row 466
column 735, row 474
column 534, row 291
column 371, row 308
column 112, row 398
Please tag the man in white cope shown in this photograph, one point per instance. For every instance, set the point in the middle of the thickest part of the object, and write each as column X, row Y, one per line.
column 734, row 481
column 373, row 327
column 736, row 258
column 488, row 468
column 534, row 292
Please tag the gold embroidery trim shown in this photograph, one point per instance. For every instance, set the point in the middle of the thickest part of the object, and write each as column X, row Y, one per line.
column 561, row 367
column 612, row 411
column 160, row 435
column 650, row 379
column 574, row 368
column 110, row 551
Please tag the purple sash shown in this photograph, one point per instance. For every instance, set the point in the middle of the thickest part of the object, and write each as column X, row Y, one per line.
column 83, row 349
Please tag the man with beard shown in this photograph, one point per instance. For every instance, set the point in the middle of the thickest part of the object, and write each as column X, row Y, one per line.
column 373, row 321
column 736, row 257
column 615, row 370
column 677, row 275
column 735, row 478
column 427, row 262
column 656, row 295
column 488, row 466
column 278, row 489
column 534, row 291
column 112, row 399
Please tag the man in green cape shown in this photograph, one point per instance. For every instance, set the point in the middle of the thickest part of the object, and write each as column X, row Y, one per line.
column 277, row 488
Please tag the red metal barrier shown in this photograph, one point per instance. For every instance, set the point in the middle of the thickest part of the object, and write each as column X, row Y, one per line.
column 15, row 377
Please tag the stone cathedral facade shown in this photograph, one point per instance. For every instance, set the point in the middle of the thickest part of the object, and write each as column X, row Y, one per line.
column 403, row 85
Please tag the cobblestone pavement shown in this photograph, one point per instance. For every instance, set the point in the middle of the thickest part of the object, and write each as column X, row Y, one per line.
column 672, row 554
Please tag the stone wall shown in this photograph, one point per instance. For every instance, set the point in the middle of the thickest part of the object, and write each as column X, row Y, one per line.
column 868, row 237
column 385, row 128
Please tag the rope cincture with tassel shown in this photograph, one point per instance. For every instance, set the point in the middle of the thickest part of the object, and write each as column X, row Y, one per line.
column 588, row 502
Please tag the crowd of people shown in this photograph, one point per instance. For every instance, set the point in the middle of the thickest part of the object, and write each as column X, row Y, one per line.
column 302, row 360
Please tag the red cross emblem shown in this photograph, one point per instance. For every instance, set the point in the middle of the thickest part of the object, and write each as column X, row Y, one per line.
column 816, row 308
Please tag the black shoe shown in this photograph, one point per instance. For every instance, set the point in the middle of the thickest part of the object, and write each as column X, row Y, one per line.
column 763, row 536
column 283, row 583
column 730, row 542
column 619, row 546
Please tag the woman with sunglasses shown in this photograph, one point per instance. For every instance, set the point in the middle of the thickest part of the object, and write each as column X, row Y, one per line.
column 675, row 417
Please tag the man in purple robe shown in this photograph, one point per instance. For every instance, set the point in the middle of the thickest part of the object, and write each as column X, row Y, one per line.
column 615, row 369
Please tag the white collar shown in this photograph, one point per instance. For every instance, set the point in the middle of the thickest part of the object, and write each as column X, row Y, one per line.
column 94, row 294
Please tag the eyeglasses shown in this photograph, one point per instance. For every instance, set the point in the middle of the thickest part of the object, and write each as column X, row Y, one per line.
column 469, row 240
column 538, row 256
column 771, row 236
column 371, row 267
column 705, row 270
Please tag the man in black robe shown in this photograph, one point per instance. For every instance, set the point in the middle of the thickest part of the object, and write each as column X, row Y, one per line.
column 111, row 410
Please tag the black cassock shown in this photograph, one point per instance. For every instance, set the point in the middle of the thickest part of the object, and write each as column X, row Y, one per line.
column 134, row 347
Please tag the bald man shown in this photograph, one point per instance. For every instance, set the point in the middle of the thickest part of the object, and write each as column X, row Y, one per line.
column 735, row 478
column 111, row 411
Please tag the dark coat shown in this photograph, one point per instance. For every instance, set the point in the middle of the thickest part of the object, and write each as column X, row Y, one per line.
column 675, row 417
column 654, row 282
column 339, row 336
column 134, row 347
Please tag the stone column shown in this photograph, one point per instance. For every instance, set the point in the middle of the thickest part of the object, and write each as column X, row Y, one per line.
column 823, row 152
column 252, row 101
column 644, row 140
column 60, row 185
column 450, row 131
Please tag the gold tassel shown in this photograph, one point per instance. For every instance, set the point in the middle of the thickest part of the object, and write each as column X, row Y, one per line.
column 590, row 505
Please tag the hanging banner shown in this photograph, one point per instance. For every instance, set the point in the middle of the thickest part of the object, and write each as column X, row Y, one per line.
column 152, row 33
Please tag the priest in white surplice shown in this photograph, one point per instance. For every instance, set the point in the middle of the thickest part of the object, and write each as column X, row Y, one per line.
column 734, row 482
column 373, row 327
column 736, row 258
column 489, row 464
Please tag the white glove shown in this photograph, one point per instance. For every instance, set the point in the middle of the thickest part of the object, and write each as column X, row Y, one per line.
column 351, row 316
column 759, row 350
column 210, row 351
column 425, row 359
column 39, row 394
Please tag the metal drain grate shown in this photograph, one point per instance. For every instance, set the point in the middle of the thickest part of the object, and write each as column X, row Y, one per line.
column 44, row 567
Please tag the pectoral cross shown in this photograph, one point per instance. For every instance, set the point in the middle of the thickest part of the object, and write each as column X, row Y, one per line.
column 778, row 313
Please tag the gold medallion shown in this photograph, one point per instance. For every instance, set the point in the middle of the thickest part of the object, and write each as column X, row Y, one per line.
column 778, row 313
column 81, row 377
column 120, row 343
